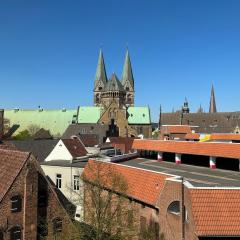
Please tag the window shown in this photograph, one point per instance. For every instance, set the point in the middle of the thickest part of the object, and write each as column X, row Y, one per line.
column 174, row 208
column 57, row 225
column 16, row 204
column 59, row 180
column 42, row 198
column 76, row 182
column 15, row 233
column 1, row 235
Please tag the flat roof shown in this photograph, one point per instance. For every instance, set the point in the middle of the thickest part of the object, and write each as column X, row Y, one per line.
column 197, row 176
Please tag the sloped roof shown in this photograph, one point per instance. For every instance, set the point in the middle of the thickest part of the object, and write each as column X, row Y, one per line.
column 216, row 212
column 54, row 120
column 139, row 115
column 11, row 163
column 114, row 84
column 142, row 185
column 168, row 129
column 42, row 134
column 75, row 147
column 39, row 148
column 89, row 114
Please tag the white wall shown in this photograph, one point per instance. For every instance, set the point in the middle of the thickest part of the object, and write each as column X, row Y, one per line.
column 59, row 152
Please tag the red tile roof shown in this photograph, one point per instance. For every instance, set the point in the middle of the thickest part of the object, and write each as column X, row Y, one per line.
column 171, row 129
column 216, row 212
column 225, row 136
column 142, row 185
column 75, row 147
column 228, row 150
column 11, row 163
column 192, row 136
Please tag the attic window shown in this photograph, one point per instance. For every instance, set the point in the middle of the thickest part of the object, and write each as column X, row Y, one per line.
column 16, row 204
column 174, row 208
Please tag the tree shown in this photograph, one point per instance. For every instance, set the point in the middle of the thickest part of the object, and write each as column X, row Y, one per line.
column 23, row 135
column 33, row 128
column 108, row 213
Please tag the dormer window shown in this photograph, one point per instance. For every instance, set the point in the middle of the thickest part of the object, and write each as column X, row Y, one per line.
column 16, row 204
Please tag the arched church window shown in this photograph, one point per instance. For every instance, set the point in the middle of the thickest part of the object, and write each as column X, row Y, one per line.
column 97, row 98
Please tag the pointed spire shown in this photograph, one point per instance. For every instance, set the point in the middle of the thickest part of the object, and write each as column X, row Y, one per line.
column 127, row 76
column 101, row 75
column 212, row 106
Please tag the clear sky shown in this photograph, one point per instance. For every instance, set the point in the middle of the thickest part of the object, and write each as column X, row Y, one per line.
column 49, row 51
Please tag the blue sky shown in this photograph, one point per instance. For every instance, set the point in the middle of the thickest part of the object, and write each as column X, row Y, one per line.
column 49, row 51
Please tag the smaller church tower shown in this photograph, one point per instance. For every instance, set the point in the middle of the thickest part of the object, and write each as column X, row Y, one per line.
column 100, row 79
column 185, row 107
column 212, row 105
column 128, row 80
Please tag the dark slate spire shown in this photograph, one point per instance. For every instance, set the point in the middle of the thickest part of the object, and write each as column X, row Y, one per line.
column 114, row 85
column 127, row 76
column 101, row 76
column 212, row 106
column 185, row 108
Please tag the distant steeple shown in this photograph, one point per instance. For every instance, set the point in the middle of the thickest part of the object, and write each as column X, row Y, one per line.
column 200, row 109
column 127, row 76
column 101, row 76
column 212, row 106
column 160, row 117
column 185, row 108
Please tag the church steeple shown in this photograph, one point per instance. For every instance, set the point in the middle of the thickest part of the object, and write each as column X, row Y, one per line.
column 212, row 106
column 101, row 76
column 127, row 76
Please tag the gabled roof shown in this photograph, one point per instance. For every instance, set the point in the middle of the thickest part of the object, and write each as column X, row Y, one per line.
column 89, row 114
column 216, row 212
column 139, row 115
column 114, row 85
column 142, row 185
column 11, row 163
column 75, row 147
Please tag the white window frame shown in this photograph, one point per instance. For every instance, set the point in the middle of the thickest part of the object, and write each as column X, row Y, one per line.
column 76, row 182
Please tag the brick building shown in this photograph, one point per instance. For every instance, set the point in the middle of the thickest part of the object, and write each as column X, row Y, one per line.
column 28, row 201
column 173, row 208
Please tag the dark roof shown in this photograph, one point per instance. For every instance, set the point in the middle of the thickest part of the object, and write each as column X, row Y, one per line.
column 11, row 163
column 42, row 134
column 89, row 140
column 40, row 148
column 86, row 132
column 206, row 122
column 75, row 147
column 114, row 84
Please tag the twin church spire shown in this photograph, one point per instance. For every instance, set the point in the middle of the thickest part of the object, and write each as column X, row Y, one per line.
column 102, row 83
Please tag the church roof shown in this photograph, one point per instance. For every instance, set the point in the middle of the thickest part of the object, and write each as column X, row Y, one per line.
column 139, row 115
column 89, row 114
column 114, row 84
column 56, row 121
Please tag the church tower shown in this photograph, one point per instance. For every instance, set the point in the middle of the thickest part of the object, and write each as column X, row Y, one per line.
column 128, row 80
column 100, row 80
column 212, row 106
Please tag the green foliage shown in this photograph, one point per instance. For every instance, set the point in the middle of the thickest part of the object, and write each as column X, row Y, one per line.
column 23, row 135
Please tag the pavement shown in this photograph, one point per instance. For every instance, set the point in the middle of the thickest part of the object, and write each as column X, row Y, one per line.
column 197, row 176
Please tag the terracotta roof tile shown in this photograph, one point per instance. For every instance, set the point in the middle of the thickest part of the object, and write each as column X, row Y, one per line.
column 143, row 185
column 75, row 147
column 228, row 150
column 171, row 129
column 11, row 163
column 216, row 212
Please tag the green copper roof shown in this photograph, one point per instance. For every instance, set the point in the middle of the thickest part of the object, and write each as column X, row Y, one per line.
column 56, row 121
column 139, row 115
column 89, row 114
